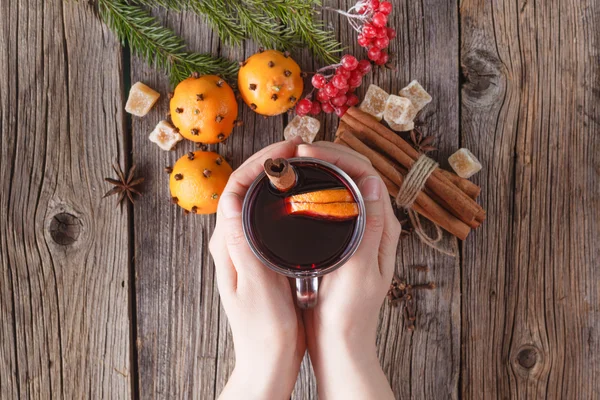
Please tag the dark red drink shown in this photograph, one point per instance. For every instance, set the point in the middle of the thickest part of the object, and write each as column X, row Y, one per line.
column 300, row 241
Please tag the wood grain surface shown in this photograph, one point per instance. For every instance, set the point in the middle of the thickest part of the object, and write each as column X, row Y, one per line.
column 64, row 330
column 98, row 302
column 530, row 275
column 177, row 302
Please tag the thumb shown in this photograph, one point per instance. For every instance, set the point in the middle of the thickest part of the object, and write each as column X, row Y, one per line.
column 371, row 188
column 248, row 267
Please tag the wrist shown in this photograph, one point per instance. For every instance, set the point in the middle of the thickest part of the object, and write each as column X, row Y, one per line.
column 261, row 377
column 333, row 355
column 349, row 369
column 251, row 385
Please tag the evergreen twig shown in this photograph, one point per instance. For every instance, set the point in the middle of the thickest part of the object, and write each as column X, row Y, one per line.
column 279, row 24
column 269, row 32
column 299, row 17
column 158, row 45
column 217, row 13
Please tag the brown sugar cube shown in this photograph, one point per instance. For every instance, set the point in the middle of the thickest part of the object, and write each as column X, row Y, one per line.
column 399, row 110
column 464, row 163
column 402, row 127
column 141, row 99
column 306, row 127
column 374, row 101
column 165, row 136
column 416, row 94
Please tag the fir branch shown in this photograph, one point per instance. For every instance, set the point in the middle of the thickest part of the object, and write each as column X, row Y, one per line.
column 265, row 29
column 299, row 17
column 280, row 24
column 219, row 16
column 158, row 45
column 175, row 5
column 321, row 42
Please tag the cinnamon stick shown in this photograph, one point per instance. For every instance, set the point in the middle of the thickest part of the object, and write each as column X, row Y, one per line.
column 342, row 127
column 458, row 202
column 473, row 224
column 470, row 189
column 280, row 173
column 339, row 141
column 392, row 188
column 373, row 125
column 423, row 203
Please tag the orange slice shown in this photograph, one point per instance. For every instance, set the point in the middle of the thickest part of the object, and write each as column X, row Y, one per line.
column 333, row 204
column 334, row 211
column 341, row 195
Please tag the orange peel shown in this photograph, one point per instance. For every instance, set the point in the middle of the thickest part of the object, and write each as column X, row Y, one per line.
column 334, row 211
column 333, row 204
column 340, row 195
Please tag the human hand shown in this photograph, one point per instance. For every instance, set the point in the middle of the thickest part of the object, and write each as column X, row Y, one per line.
column 267, row 328
column 341, row 329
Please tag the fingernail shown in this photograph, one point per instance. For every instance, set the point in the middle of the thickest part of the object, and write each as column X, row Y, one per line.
column 230, row 205
column 370, row 188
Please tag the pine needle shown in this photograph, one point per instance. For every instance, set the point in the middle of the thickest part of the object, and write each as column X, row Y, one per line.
column 265, row 29
column 299, row 17
column 217, row 14
column 277, row 24
column 158, row 45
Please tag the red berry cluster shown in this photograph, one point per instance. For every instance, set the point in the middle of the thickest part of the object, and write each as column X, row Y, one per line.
column 374, row 34
column 335, row 92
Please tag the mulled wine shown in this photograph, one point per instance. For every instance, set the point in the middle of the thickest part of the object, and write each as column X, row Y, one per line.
column 310, row 227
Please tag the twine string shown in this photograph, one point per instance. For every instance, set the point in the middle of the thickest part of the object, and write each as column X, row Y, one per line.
column 413, row 183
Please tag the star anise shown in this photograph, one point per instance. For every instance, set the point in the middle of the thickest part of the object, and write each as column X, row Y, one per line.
column 420, row 142
column 124, row 187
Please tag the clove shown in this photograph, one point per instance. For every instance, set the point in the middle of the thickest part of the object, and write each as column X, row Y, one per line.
column 401, row 293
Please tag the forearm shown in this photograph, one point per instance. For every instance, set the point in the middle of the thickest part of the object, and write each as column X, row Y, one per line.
column 346, row 372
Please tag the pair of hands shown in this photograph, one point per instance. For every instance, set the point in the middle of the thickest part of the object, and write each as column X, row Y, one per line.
column 270, row 333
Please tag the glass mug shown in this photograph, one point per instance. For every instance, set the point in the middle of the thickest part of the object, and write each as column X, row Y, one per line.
column 262, row 223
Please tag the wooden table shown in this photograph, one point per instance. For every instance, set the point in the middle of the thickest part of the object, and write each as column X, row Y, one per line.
column 102, row 302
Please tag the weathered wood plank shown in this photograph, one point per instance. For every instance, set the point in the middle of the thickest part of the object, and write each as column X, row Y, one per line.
column 64, row 251
column 178, row 307
column 530, row 276
column 424, row 363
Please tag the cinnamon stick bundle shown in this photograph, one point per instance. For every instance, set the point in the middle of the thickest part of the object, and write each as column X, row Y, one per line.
column 388, row 142
column 446, row 199
column 471, row 189
column 424, row 205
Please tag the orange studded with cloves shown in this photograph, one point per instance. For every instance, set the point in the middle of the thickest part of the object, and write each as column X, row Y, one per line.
column 270, row 82
column 197, row 181
column 204, row 109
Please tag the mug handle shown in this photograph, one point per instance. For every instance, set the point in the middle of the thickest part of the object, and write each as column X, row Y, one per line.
column 307, row 292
